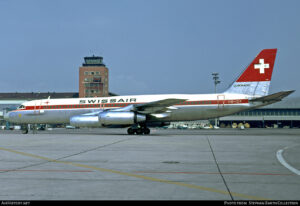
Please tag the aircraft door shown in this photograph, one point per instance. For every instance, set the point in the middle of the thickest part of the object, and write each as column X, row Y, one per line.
column 38, row 107
column 221, row 101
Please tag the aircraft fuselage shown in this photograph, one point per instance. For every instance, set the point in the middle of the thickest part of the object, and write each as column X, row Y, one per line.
column 196, row 107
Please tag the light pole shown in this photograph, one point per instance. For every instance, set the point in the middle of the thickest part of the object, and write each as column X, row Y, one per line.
column 216, row 81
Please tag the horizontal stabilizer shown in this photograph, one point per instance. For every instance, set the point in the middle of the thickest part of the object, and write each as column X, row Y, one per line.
column 273, row 97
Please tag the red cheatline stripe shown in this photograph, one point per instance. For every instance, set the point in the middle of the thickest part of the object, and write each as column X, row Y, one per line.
column 216, row 173
column 109, row 105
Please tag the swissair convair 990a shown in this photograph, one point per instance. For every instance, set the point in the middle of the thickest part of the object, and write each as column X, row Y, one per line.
column 137, row 112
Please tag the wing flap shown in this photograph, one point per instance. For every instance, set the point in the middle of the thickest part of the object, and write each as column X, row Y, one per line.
column 158, row 106
column 155, row 107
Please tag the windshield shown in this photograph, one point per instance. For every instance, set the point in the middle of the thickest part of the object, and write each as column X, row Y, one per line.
column 21, row 106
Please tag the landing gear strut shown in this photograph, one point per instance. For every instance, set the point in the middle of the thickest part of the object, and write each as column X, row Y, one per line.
column 24, row 129
column 138, row 130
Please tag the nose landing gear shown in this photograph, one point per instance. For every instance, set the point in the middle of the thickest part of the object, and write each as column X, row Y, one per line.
column 24, row 129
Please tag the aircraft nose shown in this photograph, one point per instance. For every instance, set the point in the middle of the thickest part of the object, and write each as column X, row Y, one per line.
column 6, row 116
column 9, row 116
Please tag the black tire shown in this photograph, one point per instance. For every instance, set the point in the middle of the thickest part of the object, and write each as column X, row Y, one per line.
column 130, row 131
column 146, row 131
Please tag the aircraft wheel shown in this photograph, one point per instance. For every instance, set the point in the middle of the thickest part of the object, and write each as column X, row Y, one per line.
column 146, row 130
column 139, row 131
column 130, row 131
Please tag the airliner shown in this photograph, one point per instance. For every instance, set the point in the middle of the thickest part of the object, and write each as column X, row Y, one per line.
column 136, row 112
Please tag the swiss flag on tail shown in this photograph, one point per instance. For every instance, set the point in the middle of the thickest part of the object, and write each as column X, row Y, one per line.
column 256, row 78
column 261, row 67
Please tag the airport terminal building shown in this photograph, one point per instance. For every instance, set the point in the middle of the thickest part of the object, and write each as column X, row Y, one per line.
column 283, row 114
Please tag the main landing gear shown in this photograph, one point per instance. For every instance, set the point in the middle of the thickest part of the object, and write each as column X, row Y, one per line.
column 138, row 130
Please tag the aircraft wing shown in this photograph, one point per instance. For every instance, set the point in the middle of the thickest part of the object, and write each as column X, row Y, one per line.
column 154, row 107
column 276, row 97
column 157, row 106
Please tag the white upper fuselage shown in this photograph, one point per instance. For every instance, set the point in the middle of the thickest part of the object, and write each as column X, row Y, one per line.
column 110, row 102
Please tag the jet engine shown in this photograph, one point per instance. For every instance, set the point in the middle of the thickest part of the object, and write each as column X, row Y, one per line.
column 84, row 121
column 107, row 118
column 120, row 118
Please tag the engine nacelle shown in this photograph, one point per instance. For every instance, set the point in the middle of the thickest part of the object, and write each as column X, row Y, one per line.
column 107, row 118
column 85, row 121
column 120, row 118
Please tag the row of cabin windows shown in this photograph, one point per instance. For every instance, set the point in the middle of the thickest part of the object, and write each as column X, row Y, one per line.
column 197, row 102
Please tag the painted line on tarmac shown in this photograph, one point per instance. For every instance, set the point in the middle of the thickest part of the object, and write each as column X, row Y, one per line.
column 239, row 195
column 284, row 163
column 214, row 173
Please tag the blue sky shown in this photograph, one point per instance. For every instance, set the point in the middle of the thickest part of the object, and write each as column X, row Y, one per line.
column 149, row 46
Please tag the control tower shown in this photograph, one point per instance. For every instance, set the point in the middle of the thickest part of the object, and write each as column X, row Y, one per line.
column 93, row 78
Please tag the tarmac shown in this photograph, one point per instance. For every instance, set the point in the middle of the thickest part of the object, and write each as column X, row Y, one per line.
column 168, row 164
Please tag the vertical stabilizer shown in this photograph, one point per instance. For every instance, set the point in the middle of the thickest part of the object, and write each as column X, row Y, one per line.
column 256, row 78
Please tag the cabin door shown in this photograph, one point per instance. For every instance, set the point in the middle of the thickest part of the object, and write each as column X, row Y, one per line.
column 221, row 101
column 38, row 107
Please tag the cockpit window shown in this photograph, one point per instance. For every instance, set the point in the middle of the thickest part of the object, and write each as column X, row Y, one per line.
column 21, row 106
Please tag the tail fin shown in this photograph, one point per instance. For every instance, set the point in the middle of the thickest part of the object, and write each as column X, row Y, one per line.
column 256, row 78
